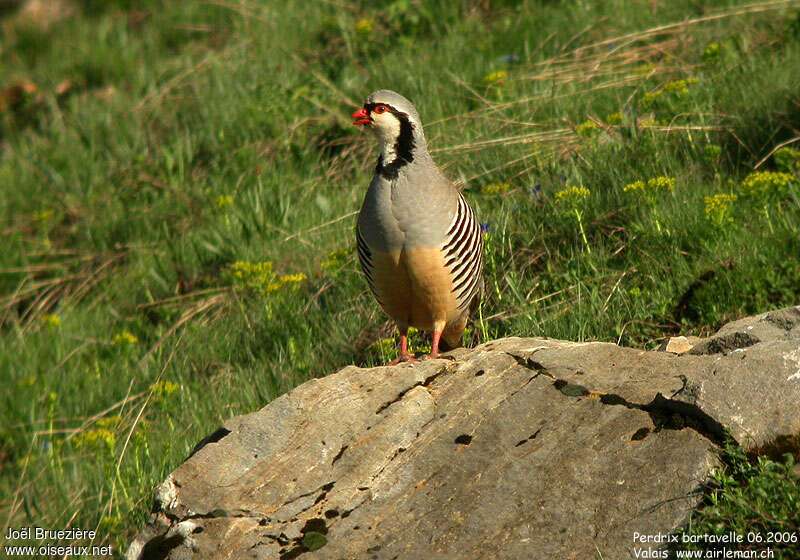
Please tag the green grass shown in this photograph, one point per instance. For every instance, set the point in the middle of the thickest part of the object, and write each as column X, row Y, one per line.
column 148, row 147
column 758, row 498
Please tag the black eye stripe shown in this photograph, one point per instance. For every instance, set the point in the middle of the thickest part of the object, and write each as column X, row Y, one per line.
column 370, row 107
column 404, row 147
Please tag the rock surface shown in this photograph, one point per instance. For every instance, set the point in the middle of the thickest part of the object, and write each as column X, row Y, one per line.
column 679, row 344
column 519, row 448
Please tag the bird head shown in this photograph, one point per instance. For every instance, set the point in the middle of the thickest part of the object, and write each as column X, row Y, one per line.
column 392, row 119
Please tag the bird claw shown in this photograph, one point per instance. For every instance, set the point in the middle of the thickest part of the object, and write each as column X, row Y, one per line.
column 403, row 359
column 437, row 357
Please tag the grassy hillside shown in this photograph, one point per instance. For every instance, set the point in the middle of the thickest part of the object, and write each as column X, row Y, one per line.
column 179, row 183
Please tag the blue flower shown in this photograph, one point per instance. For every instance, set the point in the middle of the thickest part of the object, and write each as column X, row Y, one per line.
column 509, row 58
column 535, row 191
column 485, row 227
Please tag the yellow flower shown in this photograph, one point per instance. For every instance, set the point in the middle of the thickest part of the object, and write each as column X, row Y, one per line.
column 125, row 338
column 95, row 439
column 654, row 185
column 339, row 254
column 635, row 187
column 51, row 320
column 163, row 388
column 651, row 190
column 223, row 201
column 679, row 86
column 27, row 381
column 255, row 276
column 661, row 183
column 335, row 258
column 650, row 97
column 495, row 188
column 109, row 523
column 586, row 128
column 572, row 196
column 272, row 287
column 495, row 77
column 763, row 184
column 385, row 345
column 245, row 269
column 718, row 208
column 787, row 159
column 364, row 26
column 676, row 88
column 283, row 280
column 712, row 152
column 109, row 422
column 711, row 52
column 614, row 118
column 43, row 215
column 292, row 278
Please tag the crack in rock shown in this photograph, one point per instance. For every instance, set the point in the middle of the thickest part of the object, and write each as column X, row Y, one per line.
column 216, row 436
column 664, row 412
column 425, row 383
column 530, row 363
column 339, row 455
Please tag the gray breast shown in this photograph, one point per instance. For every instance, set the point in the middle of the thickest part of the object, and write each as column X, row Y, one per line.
column 377, row 227
column 413, row 210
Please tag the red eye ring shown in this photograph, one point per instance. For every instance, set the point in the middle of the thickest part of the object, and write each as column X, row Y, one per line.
column 380, row 109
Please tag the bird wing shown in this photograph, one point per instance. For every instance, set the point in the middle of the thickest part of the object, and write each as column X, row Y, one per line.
column 365, row 260
column 463, row 254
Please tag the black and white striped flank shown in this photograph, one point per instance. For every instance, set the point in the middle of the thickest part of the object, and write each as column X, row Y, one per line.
column 463, row 254
column 365, row 260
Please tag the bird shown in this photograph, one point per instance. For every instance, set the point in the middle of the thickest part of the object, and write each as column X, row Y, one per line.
column 419, row 243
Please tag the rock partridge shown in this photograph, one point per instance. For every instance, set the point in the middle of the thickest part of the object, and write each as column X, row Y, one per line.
column 419, row 244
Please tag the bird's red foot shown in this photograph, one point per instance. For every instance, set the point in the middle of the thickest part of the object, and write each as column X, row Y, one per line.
column 405, row 355
column 408, row 358
column 437, row 357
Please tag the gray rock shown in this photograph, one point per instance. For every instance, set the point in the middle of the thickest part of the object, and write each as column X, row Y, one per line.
column 519, row 448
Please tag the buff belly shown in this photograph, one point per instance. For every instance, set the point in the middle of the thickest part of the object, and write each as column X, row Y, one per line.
column 415, row 287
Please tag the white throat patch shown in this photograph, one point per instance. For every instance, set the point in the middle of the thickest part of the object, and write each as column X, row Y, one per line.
column 386, row 128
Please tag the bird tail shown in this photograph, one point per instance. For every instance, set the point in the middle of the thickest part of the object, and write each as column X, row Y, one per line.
column 452, row 334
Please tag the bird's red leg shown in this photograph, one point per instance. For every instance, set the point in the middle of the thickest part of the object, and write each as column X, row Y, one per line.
column 435, row 344
column 404, row 355
column 437, row 336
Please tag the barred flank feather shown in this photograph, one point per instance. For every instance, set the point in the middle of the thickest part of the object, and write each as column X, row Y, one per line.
column 463, row 249
column 365, row 259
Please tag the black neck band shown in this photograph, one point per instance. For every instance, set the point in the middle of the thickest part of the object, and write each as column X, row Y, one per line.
column 403, row 147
